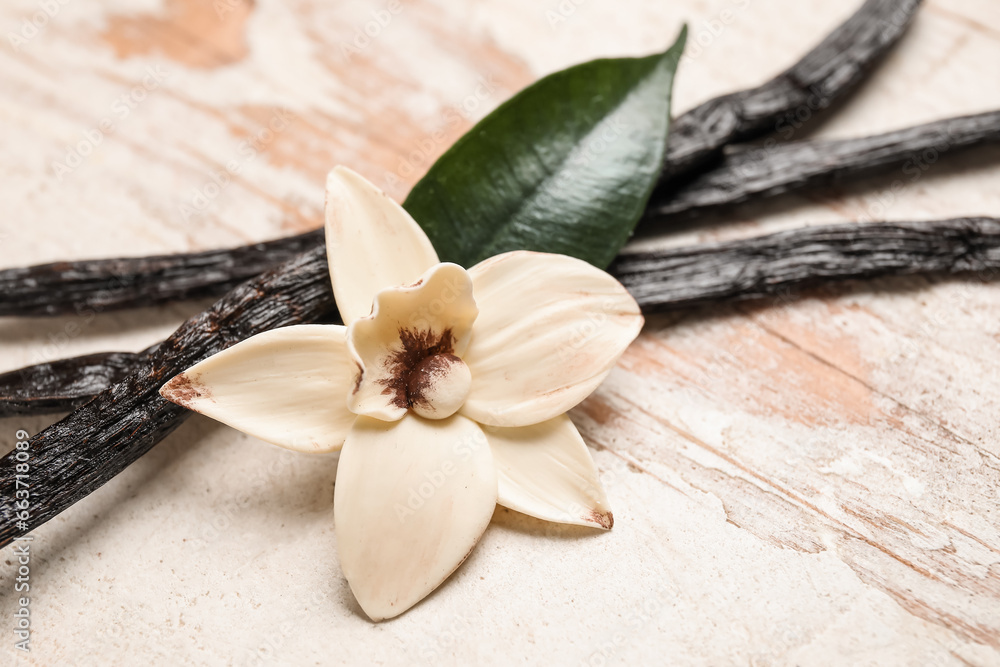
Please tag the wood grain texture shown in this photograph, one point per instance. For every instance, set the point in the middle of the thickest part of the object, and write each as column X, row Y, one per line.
column 794, row 482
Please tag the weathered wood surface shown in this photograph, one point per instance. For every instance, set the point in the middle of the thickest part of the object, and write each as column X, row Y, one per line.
column 800, row 481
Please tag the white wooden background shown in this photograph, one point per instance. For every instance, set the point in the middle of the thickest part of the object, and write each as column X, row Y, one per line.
column 809, row 481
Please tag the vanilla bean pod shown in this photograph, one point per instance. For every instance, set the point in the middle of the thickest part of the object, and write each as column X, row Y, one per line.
column 75, row 456
column 750, row 172
column 98, row 440
column 110, row 284
column 788, row 100
column 747, row 173
column 830, row 69
column 743, row 175
column 695, row 275
column 63, row 385
column 777, row 263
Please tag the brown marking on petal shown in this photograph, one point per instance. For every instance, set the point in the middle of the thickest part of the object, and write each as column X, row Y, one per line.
column 183, row 391
column 360, row 376
column 603, row 519
column 416, row 346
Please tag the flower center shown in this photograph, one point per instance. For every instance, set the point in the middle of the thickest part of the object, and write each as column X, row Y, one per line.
column 438, row 386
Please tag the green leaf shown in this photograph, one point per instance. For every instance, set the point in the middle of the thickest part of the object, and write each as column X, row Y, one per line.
column 565, row 166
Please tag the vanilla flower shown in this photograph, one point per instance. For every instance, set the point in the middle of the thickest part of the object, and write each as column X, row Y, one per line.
column 447, row 390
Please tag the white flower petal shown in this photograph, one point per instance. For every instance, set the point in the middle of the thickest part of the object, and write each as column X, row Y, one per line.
column 412, row 499
column 546, row 471
column 409, row 324
column 371, row 243
column 550, row 329
column 287, row 386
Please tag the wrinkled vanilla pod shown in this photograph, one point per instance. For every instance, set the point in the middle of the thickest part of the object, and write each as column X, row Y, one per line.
column 748, row 172
column 778, row 263
column 681, row 278
column 790, row 99
column 65, row 384
column 744, row 174
column 100, row 285
column 78, row 454
column 842, row 59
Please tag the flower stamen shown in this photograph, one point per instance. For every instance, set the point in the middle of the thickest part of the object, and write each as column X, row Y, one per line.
column 425, row 375
column 438, row 386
